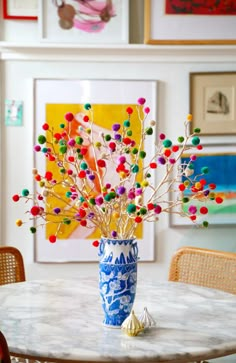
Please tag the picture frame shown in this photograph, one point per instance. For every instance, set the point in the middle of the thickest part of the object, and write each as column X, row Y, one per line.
column 84, row 28
column 213, row 102
column 223, row 161
column 176, row 28
column 20, row 9
column 52, row 99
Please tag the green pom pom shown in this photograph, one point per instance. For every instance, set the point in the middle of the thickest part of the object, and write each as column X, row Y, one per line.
column 127, row 123
column 62, row 142
column 68, row 194
column 33, row 230
column 44, row 150
column 83, row 166
column 63, row 171
column 142, row 154
column 143, row 211
column 134, row 151
column 148, row 175
column 131, row 208
column 107, row 197
column 62, row 126
column 197, row 130
column 129, row 133
column 167, row 143
column 92, row 201
column 127, row 150
column 149, row 131
column 63, row 149
column 66, row 221
column 135, row 168
column 185, row 200
column 112, row 195
column 205, row 224
column 79, row 140
column 180, row 139
column 80, row 156
column 25, row 192
column 138, row 185
column 42, row 139
column 87, row 106
column 107, row 137
column 82, row 199
column 191, row 166
column 205, row 170
column 195, row 140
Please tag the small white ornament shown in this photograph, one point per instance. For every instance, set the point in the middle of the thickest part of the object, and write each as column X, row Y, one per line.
column 146, row 319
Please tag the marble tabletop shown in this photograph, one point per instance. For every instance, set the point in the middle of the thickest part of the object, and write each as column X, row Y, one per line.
column 62, row 320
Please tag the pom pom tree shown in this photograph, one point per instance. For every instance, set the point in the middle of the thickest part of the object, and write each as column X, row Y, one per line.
column 120, row 205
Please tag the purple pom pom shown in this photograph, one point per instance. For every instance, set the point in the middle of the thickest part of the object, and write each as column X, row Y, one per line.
column 116, row 127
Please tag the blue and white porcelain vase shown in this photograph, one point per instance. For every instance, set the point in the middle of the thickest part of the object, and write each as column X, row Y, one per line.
column 117, row 278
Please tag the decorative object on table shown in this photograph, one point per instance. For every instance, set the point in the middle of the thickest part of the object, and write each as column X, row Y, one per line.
column 131, row 325
column 20, row 9
column 189, row 22
column 146, row 319
column 119, row 207
column 117, row 278
column 84, row 21
column 13, row 113
column 213, row 102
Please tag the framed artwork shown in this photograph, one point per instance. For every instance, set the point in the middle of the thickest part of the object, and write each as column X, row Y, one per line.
column 221, row 161
column 84, row 22
column 53, row 99
column 213, row 102
column 189, row 22
column 20, row 9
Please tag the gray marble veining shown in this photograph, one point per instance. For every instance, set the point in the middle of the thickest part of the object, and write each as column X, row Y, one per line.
column 62, row 319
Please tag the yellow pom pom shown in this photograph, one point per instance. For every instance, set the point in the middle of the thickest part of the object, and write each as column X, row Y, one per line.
column 186, row 183
column 198, row 185
column 116, row 206
column 189, row 117
column 88, row 130
column 19, row 222
column 98, row 144
column 41, row 183
column 122, row 174
column 144, row 183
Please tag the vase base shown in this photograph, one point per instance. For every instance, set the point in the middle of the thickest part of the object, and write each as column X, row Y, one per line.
column 111, row 326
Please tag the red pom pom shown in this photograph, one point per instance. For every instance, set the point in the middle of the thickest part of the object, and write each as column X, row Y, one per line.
column 82, row 213
column 37, row 177
column 203, row 210
column 129, row 110
column 101, row 163
column 71, row 159
column 96, row 243
column 52, row 238
column 199, row 147
column 83, row 151
column 45, row 127
column 175, row 148
column 69, row 172
column 219, row 200
column 150, row 206
column 193, row 217
column 85, row 118
column 167, row 152
column 35, row 210
column 15, row 198
column 112, row 145
column 82, row 174
column 153, row 165
column 48, row 175
column 212, row 186
column 57, row 136
column 83, row 223
column 51, row 157
column 127, row 140
column 138, row 219
column 69, row 116
column 181, row 187
column 40, row 197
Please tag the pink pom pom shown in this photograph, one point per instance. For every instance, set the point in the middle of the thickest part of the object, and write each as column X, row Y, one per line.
column 69, row 116
column 141, row 101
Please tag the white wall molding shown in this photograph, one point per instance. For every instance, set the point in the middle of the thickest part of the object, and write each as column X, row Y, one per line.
column 138, row 53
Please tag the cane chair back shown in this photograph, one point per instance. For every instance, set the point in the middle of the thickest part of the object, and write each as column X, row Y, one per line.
column 209, row 268
column 11, row 265
column 4, row 351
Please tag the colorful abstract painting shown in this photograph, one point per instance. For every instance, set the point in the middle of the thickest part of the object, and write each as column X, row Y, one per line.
column 201, row 7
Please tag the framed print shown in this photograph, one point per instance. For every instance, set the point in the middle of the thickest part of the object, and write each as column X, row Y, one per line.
column 189, row 22
column 84, row 22
column 109, row 99
column 221, row 161
column 213, row 102
column 20, row 9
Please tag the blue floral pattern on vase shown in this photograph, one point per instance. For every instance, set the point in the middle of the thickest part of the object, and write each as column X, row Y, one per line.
column 117, row 278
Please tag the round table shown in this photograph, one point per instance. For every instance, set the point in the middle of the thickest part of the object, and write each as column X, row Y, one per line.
column 61, row 320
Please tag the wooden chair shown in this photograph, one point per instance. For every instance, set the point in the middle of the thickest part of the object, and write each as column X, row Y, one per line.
column 11, row 265
column 4, row 351
column 200, row 266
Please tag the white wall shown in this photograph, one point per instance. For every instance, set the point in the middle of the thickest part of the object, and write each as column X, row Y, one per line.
column 169, row 66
